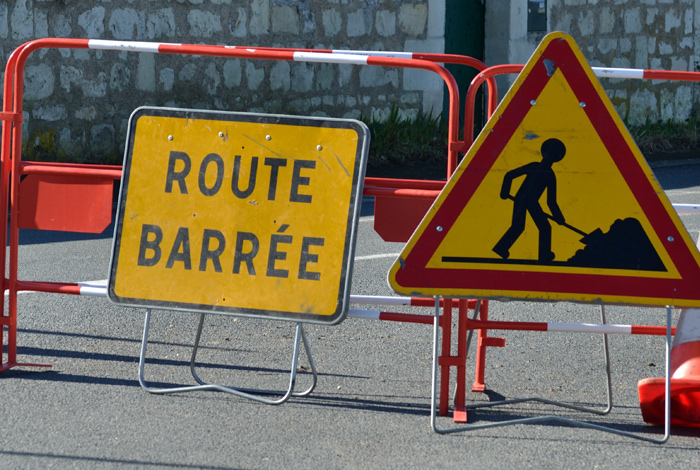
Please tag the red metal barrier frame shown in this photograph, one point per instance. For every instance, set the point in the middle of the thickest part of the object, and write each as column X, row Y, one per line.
column 13, row 168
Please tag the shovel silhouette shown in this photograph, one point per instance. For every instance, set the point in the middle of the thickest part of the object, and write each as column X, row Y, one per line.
column 587, row 238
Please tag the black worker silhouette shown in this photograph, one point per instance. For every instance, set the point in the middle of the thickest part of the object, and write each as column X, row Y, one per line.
column 539, row 177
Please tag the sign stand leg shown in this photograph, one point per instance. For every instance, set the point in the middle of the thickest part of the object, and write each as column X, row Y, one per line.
column 551, row 418
column 252, row 394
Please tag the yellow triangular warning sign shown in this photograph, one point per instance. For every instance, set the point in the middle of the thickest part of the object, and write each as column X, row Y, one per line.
column 554, row 201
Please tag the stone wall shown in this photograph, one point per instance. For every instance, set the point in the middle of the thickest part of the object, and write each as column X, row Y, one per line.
column 643, row 34
column 648, row 34
column 77, row 102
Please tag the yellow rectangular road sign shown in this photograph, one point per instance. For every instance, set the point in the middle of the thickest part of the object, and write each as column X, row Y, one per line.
column 239, row 213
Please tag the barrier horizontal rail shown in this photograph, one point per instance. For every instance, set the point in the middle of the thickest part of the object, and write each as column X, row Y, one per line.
column 600, row 72
column 99, row 289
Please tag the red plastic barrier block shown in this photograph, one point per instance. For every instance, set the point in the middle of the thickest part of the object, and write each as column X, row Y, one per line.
column 396, row 218
column 65, row 203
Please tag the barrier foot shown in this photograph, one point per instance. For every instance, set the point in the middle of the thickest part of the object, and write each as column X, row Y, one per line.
column 252, row 394
column 10, row 365
column 547, row 418
column 459, row 415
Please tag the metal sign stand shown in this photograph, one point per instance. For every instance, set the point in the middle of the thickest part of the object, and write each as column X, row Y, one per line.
column 253, row 394
column 538, row 419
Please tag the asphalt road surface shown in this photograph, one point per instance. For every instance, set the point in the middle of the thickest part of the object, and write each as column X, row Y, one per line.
column 371, row 406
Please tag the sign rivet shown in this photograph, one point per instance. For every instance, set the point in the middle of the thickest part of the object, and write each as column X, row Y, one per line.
column 319, row 147
column 439, row 228
column 670, row 239
column 582, row 104
column 221, row 134
column 267, row 137
column 533, row 102
column 170, row 137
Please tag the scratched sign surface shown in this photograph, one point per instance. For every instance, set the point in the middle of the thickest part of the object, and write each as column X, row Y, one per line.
column 238, row 213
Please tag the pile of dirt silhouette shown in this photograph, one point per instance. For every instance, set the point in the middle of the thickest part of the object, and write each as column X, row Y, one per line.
column 625, row 246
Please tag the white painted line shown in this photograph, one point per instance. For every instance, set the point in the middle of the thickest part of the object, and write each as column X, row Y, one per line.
column 379, row 256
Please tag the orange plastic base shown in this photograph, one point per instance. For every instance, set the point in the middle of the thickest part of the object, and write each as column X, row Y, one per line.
column 685, row 401
column 685, row 389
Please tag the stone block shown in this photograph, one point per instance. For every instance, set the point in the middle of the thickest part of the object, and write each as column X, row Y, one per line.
column 166, row 78
column 632, row 21
column 254, row 76
column 359, row 23
column 102, row 139
column 688, row 18
column 666, row 104
column 672, row 20
column 86, row 113
column 641, row 53
column 684, row 103
column 238, row 27
column 280, row 76
column 260, row 17
column 332, row 22
column 652, row 13
column 4, row 24
column 378, row 76
column 41, row 24
column 61, row 25
column 39, row 81
column 69, row 75
column 385, row 23
column 302, row 77
column 126, row 24
column 160, row 24
column 212, row 79
column 679, row 63
column 665, row 48
column 96, row 88
column 436, row 18
column 93, row 22
column 120, row 75
column 50, row 113
column 285, row 19
column 203, row 24
column 607, row 20
column 413, row 18
column 146, row 73
column 586, row 23
column 232, row 73
column 187, row 72
column 345, row 74
column 21, row 20
column 325, row 76
column 607, row 45
column 643, row 107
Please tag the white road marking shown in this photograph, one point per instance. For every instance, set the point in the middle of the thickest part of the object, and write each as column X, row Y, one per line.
column 379, row 256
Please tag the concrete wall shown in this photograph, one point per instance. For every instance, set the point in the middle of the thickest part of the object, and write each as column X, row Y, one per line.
column 646, row 34
column 78, row 102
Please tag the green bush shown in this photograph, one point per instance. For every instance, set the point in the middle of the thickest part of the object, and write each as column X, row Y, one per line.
column 406, row 142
